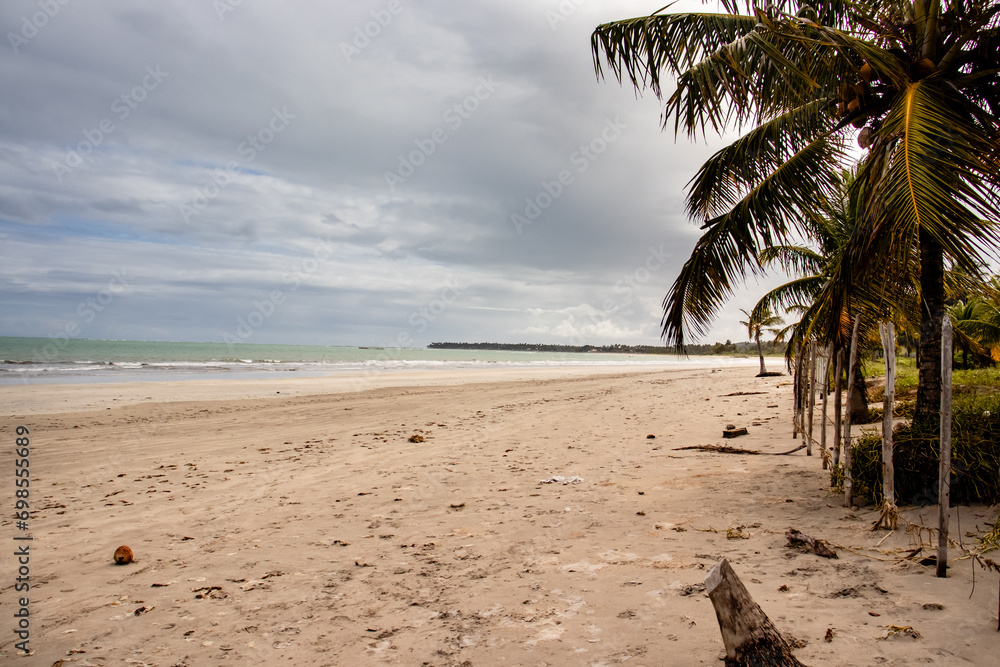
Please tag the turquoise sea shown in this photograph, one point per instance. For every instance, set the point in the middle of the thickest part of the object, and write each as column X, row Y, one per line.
column 33, row 360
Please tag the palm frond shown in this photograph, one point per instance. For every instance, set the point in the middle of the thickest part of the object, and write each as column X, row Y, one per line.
column 937, row 179
column 728, row 251
column 732, row 170
column 640, row 48
column 798, row 292
column 721, row 259
column 794, row 259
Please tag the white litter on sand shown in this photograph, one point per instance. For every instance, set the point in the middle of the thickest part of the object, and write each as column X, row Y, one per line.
column 559, row 479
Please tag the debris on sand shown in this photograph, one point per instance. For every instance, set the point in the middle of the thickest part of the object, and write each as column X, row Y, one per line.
column 123, row 555
column 559, row 479
column 802, row 541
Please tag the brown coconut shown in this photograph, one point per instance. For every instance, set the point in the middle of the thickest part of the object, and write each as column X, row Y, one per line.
column 866, row 73
column 924, row 68
column 123, row 555
column 865, row 138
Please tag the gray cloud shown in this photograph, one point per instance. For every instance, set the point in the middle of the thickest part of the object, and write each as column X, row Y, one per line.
column 356, row 158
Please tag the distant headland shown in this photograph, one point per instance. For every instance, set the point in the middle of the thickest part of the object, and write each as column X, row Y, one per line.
column 715, row 348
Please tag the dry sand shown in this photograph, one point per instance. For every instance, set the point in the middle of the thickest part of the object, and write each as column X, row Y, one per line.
column 304, row 528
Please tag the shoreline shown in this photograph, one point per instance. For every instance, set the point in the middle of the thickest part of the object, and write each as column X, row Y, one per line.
column 40, row 397
column 306, row 527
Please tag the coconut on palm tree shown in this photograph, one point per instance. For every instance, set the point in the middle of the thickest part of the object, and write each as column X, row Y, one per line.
column 916, row 84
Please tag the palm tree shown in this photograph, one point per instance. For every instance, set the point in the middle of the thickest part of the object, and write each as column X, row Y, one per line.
column 756, row 325
column 811, row 268
column 920, row 79
column 976, row 322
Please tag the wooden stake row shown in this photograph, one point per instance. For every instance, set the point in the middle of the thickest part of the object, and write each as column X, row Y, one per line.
column 805, row 384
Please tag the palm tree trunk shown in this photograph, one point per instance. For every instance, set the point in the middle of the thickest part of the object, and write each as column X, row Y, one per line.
column 928, row 408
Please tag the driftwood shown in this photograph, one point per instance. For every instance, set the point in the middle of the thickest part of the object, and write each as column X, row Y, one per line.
column 719, row 449
column 726, row 449
column 734, row 432
column 751, row 639
column 802, row 541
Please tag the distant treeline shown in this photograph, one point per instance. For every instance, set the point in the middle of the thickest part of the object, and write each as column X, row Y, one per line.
column 716, row 348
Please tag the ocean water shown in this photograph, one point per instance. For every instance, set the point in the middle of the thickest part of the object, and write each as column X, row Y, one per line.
column 35, row 360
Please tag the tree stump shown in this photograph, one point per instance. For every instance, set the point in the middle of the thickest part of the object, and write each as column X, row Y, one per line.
column 751, row 639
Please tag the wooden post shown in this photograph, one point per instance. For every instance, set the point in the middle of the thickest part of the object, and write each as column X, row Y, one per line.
column 811, row 403
column 793, row 368
column 803, row 388
column 888, row 331
column 888, row 517
column 797, row 386
column 848, row 480
column 944, row 473
column 748, row 634
column 837, row 406
column 826, row 386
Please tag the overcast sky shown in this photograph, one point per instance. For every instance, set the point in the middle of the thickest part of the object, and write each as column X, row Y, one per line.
column 334, row 173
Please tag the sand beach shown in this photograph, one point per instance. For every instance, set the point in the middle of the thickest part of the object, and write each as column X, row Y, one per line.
column 532, row 522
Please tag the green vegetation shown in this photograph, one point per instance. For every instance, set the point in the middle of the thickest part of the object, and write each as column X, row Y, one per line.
column 728, row 347
column 975, row 443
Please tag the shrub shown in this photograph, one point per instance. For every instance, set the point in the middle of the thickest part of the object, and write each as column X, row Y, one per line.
column 916, row 456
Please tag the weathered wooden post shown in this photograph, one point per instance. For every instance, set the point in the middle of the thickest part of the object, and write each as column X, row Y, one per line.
column 944, row 473
column 826, row 386
column 797, row 386
column 811, row 403
column 848, row 479
column 838, row 386
column 751, row 639
column 889, row 513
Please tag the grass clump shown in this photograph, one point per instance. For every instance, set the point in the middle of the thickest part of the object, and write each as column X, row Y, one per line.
column 916, row 455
